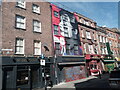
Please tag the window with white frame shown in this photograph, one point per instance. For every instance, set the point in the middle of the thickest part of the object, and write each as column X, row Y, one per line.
column 20, row 22
column 84, row 46
column 56, row 14
column 88, row 35
column 106, row 39
column 110, row 42
column 36, row 26
column 37, row 47
column 21, row 3
column 66, row 32
column 87, row 23
column 95, row 49
column 76, row 49
column 100, row 38
column 19, row 46
column 35, row 8
column 82, row 33
column 68, row 49
column 55, row 29
column 103, row 39
column 106, row 52
column 57, row 48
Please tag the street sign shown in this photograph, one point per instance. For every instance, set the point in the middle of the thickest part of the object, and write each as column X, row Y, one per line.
column 42, row 56
column 42, row 62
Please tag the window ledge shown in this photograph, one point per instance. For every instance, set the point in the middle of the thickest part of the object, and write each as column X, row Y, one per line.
column 18, row 54
column 20, row 28
column 37, row 32
column 20, row 7
column 36, row 13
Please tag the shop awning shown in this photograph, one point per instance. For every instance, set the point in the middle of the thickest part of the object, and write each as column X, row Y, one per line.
column 67, row 63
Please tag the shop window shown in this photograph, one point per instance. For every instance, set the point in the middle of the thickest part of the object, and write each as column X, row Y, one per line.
column 21, row 3
column 20, row 22
column 35, row 8
column 36, row 26
column 19, row 46
column 56, row 14
column 22, row 76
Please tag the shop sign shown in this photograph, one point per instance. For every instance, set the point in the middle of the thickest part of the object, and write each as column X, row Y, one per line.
column 42, row 62
column 95, row 57
column 73, row 59
column 6, row 49
column 20, row 60
column 24, row 60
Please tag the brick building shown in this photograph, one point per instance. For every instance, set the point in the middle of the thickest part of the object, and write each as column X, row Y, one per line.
column 108, row 46
column 118, row 35
column 24, row 29
column 89, row 43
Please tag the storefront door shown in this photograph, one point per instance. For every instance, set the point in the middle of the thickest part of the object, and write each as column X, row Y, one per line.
column 35, row 76
column 8, row 78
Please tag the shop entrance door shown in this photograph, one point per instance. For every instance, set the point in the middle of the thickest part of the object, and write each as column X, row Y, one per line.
column 8, row 81
column 35, row 76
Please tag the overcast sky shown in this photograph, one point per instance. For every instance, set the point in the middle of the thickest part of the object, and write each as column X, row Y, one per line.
column 104, row 13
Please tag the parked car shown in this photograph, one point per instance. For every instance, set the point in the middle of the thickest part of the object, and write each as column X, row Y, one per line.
column 114, row 79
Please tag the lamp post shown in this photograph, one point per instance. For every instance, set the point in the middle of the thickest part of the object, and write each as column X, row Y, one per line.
column 55, row 69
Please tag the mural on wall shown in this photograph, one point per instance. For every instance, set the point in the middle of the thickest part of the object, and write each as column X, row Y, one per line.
column 74, row 73
column 68, row 33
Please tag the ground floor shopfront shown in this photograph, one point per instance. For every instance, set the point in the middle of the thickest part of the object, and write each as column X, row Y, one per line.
column 70, row 68
column 93, row 64
column 109, row 63
column 22, row 73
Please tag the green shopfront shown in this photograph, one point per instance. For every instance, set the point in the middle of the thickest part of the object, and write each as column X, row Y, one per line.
column 109, row 64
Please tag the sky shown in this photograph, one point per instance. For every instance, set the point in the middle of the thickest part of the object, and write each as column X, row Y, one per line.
column 104, row 13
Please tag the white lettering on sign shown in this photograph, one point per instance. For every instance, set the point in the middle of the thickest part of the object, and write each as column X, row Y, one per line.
column 6, row 49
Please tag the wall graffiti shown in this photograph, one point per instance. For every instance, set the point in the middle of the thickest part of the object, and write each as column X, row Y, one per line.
column 67, row 33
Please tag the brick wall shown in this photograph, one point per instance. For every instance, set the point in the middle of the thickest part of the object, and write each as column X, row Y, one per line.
column 9, row 32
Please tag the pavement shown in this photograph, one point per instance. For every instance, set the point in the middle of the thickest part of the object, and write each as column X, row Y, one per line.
column 68, row 85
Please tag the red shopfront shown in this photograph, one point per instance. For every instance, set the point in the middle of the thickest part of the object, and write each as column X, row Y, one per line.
column 93, row 64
